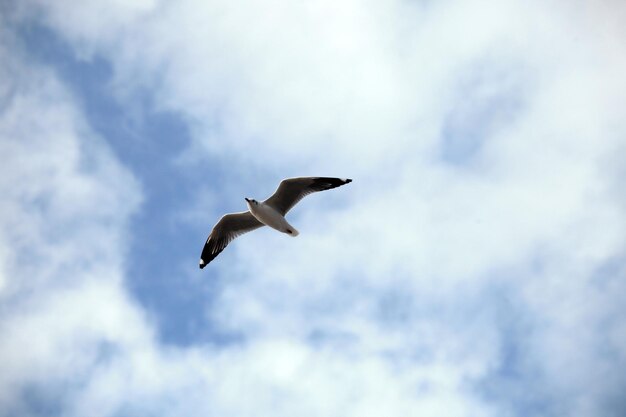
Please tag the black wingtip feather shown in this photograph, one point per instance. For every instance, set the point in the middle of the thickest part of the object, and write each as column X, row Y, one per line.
column 326, row 183
column 208, row 253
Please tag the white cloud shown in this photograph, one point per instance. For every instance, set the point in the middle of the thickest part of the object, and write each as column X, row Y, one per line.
column 365, row 313
column 66, row 201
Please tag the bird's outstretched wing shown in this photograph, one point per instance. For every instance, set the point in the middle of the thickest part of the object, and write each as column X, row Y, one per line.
column 228, row 228
column 292, row 190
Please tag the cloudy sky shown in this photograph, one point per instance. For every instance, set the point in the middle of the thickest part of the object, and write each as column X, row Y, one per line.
column 475, row 267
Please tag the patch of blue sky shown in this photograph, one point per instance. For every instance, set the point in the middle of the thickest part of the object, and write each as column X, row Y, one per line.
column 514, row 382
column 487, row 99
column 38, row 400
column 609, row 272
column 162, row 248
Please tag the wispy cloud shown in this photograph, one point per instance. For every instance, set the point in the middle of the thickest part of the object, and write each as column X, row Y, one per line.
column 65, row 208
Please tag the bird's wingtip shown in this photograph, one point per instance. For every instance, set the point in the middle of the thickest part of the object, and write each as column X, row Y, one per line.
column 202, row 264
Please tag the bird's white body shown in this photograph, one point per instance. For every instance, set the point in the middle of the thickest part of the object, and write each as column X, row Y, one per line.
column 270, row 217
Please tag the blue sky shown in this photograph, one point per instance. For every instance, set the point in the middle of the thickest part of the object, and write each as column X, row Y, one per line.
column 475, row 266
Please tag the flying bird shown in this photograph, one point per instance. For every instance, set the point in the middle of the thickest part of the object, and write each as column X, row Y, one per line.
column 270, row 212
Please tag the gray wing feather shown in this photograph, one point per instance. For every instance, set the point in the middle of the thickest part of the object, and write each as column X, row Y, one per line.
column 229, row 227
column 291, row 190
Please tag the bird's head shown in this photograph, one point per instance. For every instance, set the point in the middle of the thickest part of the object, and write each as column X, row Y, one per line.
column 251, row 202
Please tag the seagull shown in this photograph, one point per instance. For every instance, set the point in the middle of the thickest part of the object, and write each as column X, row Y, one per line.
column 270, row 212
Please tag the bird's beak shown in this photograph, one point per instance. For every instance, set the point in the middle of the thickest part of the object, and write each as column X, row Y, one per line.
column 247, row 200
